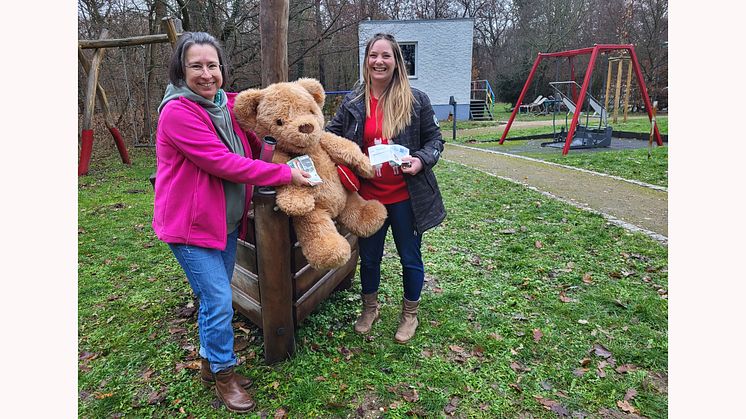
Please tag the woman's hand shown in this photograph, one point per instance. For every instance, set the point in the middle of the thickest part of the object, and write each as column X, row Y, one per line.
column 300, row 177
column 411, row 165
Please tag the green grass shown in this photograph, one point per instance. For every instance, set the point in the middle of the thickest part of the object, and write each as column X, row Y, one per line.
column 628, row 164
column 497, row 269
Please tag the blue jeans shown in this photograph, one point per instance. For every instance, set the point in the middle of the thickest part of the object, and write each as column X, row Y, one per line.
column 209, row 272
column 407, row 241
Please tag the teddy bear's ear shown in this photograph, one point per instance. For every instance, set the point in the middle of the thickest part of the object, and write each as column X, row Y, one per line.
column 314, row 88
column 246, row 106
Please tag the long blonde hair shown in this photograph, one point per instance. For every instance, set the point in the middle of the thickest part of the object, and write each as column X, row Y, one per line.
column 397, row 100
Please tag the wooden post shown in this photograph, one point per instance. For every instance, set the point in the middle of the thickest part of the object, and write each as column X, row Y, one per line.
column 608, row 84
column 104, row 102
column 618, row 89
column 123, row 42
column 273, row 33
column 146, row 96
column 272, row 230
column 167, row 23
column 90, row 105
column 626, row 91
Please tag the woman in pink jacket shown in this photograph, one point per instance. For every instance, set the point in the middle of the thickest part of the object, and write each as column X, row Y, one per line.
column 203, row 186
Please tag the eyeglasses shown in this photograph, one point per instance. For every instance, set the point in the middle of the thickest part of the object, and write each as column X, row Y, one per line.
column 199, row 68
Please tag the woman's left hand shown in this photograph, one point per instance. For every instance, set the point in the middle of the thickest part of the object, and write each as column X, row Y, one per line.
column 411, row 165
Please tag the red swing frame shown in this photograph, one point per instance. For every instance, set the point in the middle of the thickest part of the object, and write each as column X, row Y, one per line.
column 580, row 99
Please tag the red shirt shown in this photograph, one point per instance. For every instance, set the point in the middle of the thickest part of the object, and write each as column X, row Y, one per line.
column 387, row 186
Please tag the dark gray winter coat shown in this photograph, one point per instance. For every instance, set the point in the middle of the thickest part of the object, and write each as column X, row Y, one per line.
column 422, row 138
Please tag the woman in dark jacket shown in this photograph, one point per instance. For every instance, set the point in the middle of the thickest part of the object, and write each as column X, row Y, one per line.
column 386, row 110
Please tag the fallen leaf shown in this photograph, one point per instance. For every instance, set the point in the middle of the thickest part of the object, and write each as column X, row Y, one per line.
column 191, row 365
column 626, row 407
column 101, row 396
column 600, row 371
column 411, row 395
column 626, row 368
column 537, row 335
column 456, row 348
column 478, row 351
column 518, row 367
column 320, row 378
column 578, row 372
column 630, row 394
column 87, row 356
column 450, row 408
column 508, row 231
column 546, row 385
column 583, row 321
column 565, row 299
column 600, row 350
column 585, row 362
column 587, row 278
column 157, row 396
column 176, row 330
column 281, row 413
column 538, row 244
column 239, row 344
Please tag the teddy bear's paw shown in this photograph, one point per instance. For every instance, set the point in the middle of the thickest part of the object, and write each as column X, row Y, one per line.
column 366, row 219
column 366, row 170
column 327, row 253
column 295, row 205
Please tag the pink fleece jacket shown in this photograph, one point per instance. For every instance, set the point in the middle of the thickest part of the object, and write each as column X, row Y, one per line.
column 189, row 204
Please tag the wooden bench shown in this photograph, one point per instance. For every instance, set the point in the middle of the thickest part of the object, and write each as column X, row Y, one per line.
column 273, row 285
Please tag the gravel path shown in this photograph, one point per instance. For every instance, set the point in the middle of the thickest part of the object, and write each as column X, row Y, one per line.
column 633, row 205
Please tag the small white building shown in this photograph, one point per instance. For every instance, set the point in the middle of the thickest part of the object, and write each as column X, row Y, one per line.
column 438, row 57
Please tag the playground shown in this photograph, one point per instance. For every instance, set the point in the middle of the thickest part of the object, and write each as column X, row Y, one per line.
column 546, row 290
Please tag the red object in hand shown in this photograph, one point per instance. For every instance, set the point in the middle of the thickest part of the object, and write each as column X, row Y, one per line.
column 349, row 178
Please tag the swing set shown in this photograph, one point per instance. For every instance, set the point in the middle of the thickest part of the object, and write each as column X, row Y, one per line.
column 570, row 96
column 95, row 90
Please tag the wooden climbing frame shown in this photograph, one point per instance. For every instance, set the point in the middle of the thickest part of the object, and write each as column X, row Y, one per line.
column 95, row 90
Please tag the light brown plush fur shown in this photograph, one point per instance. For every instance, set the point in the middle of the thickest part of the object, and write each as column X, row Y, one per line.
column 291, row 113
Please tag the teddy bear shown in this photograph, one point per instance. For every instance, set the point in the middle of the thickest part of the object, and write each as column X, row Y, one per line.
column 291, row 113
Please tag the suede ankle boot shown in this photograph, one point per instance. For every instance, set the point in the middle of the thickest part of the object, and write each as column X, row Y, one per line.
column 408, row 323
column 369, row 314
column 233, row 396
column 208, row 380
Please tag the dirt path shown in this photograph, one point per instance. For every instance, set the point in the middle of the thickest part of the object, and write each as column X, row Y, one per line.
column 635, row 206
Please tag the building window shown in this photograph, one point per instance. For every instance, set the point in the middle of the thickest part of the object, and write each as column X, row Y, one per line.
column 409, row 51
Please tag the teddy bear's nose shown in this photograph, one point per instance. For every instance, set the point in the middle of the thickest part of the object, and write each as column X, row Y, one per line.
column 306, row 128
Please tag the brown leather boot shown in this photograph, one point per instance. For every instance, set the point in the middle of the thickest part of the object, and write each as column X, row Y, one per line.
column 208, row 380
column 233, row 396
column 369, row 314
column 408, row 323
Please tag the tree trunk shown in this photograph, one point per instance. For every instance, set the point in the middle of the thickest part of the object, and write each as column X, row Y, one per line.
column 320, row 55
column 273, row 32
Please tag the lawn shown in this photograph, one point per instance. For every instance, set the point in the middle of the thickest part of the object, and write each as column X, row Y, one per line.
column 628, row 164
column 532, row 308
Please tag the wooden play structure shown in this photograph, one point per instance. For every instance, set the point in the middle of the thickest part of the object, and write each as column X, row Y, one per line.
column 580, row 98
column 273, row 285
column 94, row 89
column 620, row 62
